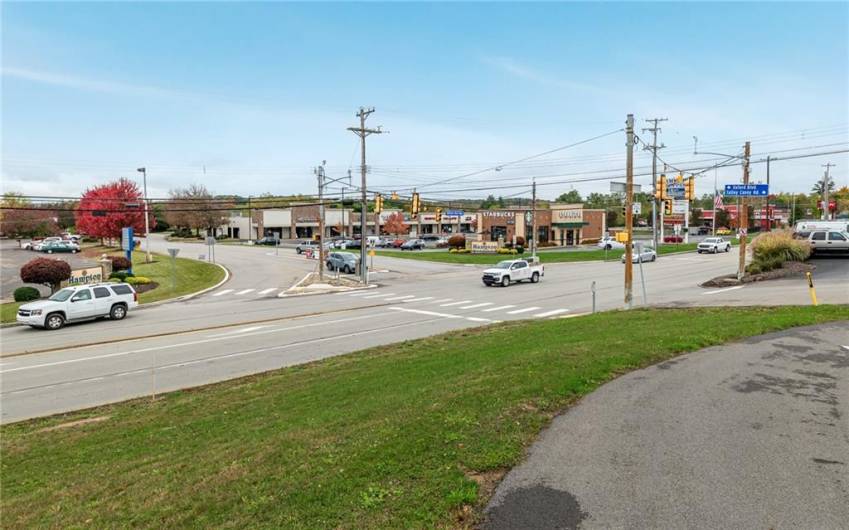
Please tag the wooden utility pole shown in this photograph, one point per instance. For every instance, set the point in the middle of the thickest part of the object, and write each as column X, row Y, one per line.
column 362, row 132
column 743, row 215
column 654, row 129
column 534, row 215
column 629, row 218
column 825, row 181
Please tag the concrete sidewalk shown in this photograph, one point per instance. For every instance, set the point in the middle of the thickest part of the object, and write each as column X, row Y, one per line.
column 747, row 435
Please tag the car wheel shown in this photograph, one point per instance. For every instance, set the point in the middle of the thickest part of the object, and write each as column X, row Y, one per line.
column 653, row 258
column 298, row 250
column 728, row 248
column 347, row 270
column 535, row 277
column 505, row 281
column 713, row 251
column 118, row 312
column 73, row 251
column 50, row 252
column 54, row 321
column 699, row 251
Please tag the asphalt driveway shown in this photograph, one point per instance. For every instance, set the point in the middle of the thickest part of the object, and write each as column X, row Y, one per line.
column 12, row 258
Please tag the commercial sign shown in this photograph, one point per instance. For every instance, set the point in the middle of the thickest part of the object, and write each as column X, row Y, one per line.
column 575, row 215
column 127, row 238
column 84, row 276
column 454, row 213
column 484, row 247
column 496, row 213
column 676, row 190
column 680, row 206
column 746, row 190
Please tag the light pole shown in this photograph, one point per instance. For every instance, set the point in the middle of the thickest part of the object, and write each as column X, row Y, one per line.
column 143, row 171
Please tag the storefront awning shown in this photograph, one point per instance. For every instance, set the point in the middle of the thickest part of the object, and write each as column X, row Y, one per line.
column 576, row 224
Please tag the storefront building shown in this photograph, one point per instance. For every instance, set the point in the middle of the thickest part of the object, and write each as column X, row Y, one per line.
column 573, row 225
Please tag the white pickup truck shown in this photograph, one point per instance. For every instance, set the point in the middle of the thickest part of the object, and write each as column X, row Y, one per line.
column 516, row 270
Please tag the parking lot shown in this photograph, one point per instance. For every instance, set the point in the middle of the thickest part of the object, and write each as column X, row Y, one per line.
column 12, row 258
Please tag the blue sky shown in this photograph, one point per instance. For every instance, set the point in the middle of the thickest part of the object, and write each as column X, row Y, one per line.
column 247, row 98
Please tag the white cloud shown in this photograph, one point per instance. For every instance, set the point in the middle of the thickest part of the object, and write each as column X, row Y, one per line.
column 522, row 71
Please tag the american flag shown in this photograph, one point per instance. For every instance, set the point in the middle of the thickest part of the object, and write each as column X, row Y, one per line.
column 717, row 202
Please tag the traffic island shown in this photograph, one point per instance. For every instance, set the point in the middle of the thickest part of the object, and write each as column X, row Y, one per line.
column 312, row 284
column 790, row 269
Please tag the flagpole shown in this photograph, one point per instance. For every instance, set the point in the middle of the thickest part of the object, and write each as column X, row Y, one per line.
column 713, row 228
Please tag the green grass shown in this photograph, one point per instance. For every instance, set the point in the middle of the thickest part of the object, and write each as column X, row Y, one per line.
column 390, row 437
column 192, row 276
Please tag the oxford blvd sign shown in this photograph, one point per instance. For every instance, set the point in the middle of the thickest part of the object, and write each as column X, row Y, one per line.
column 746, row 190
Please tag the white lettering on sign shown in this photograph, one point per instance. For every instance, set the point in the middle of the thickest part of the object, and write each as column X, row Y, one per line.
column 568, row 216
column 498, row 214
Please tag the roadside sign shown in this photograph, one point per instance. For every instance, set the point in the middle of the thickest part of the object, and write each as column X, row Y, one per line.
column 210, row 240
column 676, row 190
column 84, row 276
column 127, row 242
column 680, row 206
column 636, row 208
column 454, row 213
column 372, row 252
column 622, row 237
column 173, row 252
column 746, row 190
column 741, row 233
column 621, row 187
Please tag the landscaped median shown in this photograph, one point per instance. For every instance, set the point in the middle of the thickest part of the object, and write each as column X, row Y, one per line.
column 191, row 276
column 408, row 435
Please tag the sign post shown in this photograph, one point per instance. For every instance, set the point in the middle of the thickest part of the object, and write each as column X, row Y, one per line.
column 210, row 242
column 127, row 244
column 173, row 253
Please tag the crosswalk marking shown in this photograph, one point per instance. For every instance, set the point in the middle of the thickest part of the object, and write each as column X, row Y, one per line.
column 443, row 300
column 225, row 291
column 361, row 293
column 456, row 303
column 523, row 310
column 245, row 291
column 551, row 313
column 266, row 291
column 400, row 298
column 473, row 306
column 443, row 315
column 419, row 299
column 379, row 295
column 498, row 308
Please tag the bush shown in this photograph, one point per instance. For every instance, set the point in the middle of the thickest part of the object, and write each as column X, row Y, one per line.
column 453, row 250
column 520, row 249
column 520, row 241
column 26, row 294
column 138, row 280
column 46, row 271
column 457, row 241
column 120, row 263
column 463, row 251
column 545, row 244
column 771, row 250
column 673, row 239
column 221, row 237
column 120, row 275
column 507, row 251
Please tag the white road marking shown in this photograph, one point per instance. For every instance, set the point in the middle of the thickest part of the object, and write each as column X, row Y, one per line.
column 478, row 319
column 473, row 306
column 245, row 291
column 525, row 310
column 238, row 331
column 266, row 291
column 225, row 291
column 379, row 295
column 724, row 290
column 443, row 300
column 400, row 298
column 551, row 313
column 456, row 303
column 363, row 293
column 443, row 315
column 419, row 299
column 498, row 308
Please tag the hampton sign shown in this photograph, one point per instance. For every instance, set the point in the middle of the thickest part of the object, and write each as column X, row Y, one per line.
column 484, row 247
column 84, row 276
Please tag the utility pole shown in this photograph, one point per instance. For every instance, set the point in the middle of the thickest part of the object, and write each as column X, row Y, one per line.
column 629, row 219
column 768, row 220
column 825, row 180
column 715, row 192
column 534, row 214
column 250, row 220
column 319, row 173
column 743, row 215
column 362, row 132
column 654, row 129
column 147, row 259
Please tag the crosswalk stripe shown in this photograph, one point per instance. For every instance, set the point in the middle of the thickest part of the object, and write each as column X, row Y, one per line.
column 524, row 310
column 266, row 291
column 473, row 306
column 443, row 315
column 419, row 299
column 551, row 313
column 225, row 291
column 379, row 295
column 361, row 293
column 245, row 291
column 400, row 298
column 498, row 308
column 456, row 303
column 442, row 300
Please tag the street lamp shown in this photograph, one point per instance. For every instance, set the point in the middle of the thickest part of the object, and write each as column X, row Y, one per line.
column 143, row 171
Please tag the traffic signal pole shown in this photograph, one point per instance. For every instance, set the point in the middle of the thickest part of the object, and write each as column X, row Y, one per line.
column 629, row 219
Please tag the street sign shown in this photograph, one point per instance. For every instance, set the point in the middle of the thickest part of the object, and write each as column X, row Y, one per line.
column 173, row 252
column 372, row 252
column 746, row 190
column 454, row 213
column 636, row 208
column 210, row 240
column 676, row 190
column 621, row 187
column 741, row 233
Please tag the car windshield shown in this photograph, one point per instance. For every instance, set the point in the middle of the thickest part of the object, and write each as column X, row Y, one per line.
column 503, row 264
column 62, row 295
column 711, row 240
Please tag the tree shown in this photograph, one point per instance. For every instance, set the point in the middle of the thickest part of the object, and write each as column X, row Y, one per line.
column 195, row 208
column 723, row 220
column 45, row 271
column 104, row 210
column 395, row 224
column 819, row 186
column 488, row 203
column 29, row 223
column 695, row 217
column 571, row 197
column 612, row 218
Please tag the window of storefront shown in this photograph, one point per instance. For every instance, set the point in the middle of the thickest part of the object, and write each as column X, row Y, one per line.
column 303, row 231
column 497, row 232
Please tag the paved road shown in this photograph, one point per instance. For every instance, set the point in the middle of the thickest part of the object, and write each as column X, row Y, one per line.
column 263, row 331
column 747, row 435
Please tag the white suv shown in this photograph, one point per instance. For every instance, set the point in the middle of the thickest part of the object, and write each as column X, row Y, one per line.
column 714, row 245
column 83, row 302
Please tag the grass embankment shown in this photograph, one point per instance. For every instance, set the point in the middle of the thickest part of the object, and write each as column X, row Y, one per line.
column 192, row 276
column 392, row 437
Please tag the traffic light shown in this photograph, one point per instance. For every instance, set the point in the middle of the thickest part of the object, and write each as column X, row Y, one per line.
column 660, row 192
column 690, row 189
column 438, row 215
column 394, row 195
column 414, row 205
column 679, row 178
column 378, row 203
column 667, row 206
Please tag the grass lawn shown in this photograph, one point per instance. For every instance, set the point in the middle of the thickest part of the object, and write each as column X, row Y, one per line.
column 192, row 276
column 400, row 436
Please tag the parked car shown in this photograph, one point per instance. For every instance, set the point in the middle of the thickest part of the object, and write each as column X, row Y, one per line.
column 830, row 241
column 713, row 245
column 396, row 243
column 271, row 241
column 413, row 244
column 342, row 261
column 723, row 231
column 60, row 246
column 84, row 302
column 645, row 254
column 516, row 270
column 703, row 230
column 431, row 240
column 609, row 243
column 309, row 244
column 38, row 244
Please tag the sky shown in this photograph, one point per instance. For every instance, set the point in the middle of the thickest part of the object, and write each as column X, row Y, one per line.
column 248, row 98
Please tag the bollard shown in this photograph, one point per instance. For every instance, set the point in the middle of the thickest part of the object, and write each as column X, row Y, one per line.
column 592, row 288
column 811, row 288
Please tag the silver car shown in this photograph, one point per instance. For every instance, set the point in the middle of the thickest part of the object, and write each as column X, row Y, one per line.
column 342, row 261
column 644, row 255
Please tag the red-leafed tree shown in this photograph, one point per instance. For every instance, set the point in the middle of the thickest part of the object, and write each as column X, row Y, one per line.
column 104, row 210
column 395, row 224
column 46, row 271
